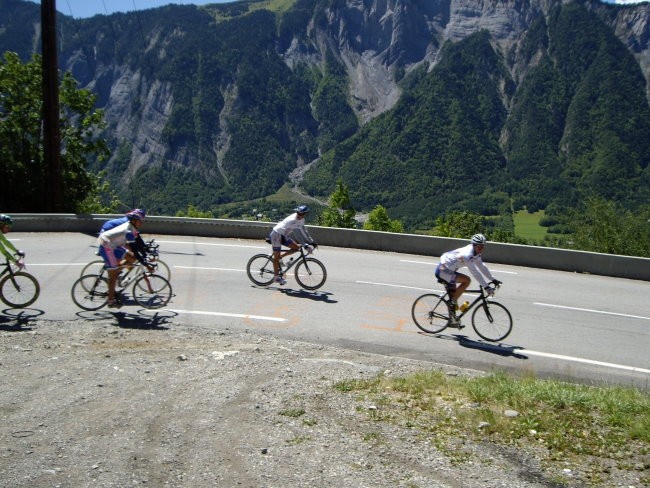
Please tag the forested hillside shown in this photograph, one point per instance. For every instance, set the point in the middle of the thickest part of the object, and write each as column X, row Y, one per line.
column 421, row 106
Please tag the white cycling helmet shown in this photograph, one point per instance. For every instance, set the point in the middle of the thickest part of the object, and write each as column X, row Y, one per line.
column 478, row 239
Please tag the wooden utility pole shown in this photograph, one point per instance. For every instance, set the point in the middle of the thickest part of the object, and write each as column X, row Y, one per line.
column 51, row 132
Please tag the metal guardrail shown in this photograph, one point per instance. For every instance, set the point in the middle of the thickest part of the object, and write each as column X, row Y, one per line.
column 636, row 268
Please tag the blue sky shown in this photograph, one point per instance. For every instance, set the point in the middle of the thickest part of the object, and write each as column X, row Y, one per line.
column 88, row 8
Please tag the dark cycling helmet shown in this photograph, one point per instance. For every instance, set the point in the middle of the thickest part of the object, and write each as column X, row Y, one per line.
column 6, row 220
column 302, row 209
column 141, row 213
column 135, row 215
column 478, row 239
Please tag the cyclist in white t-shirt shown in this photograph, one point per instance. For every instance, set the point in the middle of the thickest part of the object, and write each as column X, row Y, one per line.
column 455, row 282
column 293, row 224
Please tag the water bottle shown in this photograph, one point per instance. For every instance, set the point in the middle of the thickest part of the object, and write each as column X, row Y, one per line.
column 464, row 307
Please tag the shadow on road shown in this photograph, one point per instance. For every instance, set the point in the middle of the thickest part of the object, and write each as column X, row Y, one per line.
column 506, row 350
column 311, row 295
column 142, row 319
column 16, row 319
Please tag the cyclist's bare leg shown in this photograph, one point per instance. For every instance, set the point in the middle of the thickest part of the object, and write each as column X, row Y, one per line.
column 293, row 248
column 112, row 280
column 462, row 282
column 276, row 263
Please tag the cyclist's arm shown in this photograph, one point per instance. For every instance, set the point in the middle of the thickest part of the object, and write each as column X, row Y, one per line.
column 305, row 237
column 484, row 269
column 137, row 246
column 7, row 247
column 476, row 268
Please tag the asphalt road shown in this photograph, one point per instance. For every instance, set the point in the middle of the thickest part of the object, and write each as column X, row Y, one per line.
column 584, row 328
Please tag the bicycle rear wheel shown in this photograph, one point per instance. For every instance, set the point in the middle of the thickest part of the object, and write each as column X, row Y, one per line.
column 152, row 291
column 310, row 273
column 430, row 313
column 93, row 268
column 492, row 321
column 19, row 290
column 90, row 292
column 260, row 269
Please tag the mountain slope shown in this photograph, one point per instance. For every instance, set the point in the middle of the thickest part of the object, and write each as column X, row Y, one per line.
column 421, row 106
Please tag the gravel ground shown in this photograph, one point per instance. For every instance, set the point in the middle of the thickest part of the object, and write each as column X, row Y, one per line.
column 116, row 402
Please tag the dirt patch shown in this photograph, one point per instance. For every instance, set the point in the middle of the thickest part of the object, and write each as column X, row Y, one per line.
column 115, row 402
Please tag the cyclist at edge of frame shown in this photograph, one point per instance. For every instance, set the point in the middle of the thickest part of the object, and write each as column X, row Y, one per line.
column 456, row 283
column 6, row 247
column 112, row 249
column 280, row 236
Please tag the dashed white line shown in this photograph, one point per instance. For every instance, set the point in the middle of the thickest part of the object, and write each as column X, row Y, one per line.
column 212, row 244
column 592, row 311
column 394, row 286
column 582, row 360
column 210, row 269
column 429, row 263
column 234, row 315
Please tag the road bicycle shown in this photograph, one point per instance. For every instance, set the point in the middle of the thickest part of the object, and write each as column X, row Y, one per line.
column 152, row 257
column 18, row 289
column 491, row 320
column 152, row 253
column 309, row 272
column 150, row 290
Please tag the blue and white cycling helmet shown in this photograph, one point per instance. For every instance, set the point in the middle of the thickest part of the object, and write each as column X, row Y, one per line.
column 136, row 214
column 478, row 239
column 6, row 220
column 302, row 209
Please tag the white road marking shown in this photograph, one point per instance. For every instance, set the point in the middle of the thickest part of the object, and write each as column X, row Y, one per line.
column 591, row 311
column 210, row 269
column 394, row 286
column 223, row 314
column 582, row 360
column 436, row 264
column 212, row 244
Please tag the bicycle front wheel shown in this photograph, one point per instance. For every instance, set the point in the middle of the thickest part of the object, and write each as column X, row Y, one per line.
column 152, row 291
column 19, row 290
column 492, row 321
column 430, row 313
column 162, row 269
column 310, row 273
column 90, row 292
column 260, row 269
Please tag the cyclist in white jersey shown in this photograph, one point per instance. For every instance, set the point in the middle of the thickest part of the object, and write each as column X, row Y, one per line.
column 457, row 283
column 293, row 224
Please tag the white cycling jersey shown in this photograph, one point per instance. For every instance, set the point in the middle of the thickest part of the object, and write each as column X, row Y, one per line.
column 292, row 224
column 464, row 256
column 118, row 236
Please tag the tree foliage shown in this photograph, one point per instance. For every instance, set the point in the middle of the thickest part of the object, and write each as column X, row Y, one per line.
column 378, row 219
column 460, row 224
column 23, row 172
column 339, row 212
column 601, row 225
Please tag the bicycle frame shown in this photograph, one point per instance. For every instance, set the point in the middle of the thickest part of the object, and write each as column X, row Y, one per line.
column 293, row 262
column 8, row 269
column 482, row 297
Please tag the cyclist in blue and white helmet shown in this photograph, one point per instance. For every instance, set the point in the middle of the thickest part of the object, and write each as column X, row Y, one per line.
column 294, row 224
column 119, row 246
column 6, row 247
column 455, row 282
